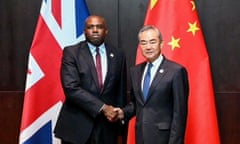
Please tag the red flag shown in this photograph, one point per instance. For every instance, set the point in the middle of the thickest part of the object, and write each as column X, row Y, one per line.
column 184, row 43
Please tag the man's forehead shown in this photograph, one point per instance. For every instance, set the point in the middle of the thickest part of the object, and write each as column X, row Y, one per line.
column 148, row 39
column 95, row 19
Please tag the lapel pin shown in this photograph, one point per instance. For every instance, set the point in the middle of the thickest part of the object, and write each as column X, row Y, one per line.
column 161, row 70
column 111, row 55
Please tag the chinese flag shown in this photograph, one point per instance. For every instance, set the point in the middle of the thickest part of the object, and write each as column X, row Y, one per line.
column 184, row 43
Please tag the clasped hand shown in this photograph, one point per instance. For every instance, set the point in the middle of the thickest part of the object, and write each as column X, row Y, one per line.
column 112, row 113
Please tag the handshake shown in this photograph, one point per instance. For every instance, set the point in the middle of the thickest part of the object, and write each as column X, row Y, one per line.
column 112, row 113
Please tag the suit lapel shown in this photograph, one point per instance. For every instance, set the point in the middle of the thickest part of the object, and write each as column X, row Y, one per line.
column 85, row 52
column 162, row 70
column 137, row 77
column 110, row 58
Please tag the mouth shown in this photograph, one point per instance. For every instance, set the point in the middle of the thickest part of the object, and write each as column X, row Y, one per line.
column 95, row 35
column 148, row 53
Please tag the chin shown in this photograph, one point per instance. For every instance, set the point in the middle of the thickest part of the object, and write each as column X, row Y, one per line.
column 96, row 42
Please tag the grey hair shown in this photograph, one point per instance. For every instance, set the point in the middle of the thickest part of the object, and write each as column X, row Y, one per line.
column 150, row 27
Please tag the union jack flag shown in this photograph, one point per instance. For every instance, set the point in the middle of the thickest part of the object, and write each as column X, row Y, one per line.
column 60, row 24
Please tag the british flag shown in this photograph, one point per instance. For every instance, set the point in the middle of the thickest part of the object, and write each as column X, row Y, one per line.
column 60, row 24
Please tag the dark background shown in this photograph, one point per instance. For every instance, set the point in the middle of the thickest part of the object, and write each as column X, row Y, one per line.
column 220, row 21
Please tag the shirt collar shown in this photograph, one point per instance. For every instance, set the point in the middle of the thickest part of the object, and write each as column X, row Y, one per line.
column 158, row 61
column 93, row 47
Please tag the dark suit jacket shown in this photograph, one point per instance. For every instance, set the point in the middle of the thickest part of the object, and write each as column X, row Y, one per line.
column 80, row 111
column 161, row 119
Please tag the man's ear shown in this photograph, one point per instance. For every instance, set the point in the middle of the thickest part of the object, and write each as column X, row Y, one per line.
column 161, row 44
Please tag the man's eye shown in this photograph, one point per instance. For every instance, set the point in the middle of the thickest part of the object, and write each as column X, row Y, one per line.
column 89, row 27
column 143, row 43
column 95, row 26
column 153, row 42
column 100, row 26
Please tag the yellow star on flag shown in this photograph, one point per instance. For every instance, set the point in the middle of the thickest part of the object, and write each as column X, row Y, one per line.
column 193, row 27
column 193, row 5
column 153, row 3
column 174, row 43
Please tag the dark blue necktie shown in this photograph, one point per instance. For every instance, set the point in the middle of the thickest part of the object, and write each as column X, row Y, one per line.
column 146, row 83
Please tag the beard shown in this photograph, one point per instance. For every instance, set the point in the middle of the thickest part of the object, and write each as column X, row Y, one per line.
column 95, row 41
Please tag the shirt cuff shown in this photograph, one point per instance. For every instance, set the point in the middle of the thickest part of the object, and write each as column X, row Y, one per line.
column 101, row 108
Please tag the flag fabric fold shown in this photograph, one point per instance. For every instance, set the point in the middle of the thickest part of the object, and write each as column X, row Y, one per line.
column 184, row 43
column 60, row 24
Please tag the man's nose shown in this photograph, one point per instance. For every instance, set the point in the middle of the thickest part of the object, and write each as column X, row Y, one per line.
column 95, row 29
column 148, row 45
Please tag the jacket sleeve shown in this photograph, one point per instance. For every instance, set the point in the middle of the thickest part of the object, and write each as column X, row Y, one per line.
column 180, row 96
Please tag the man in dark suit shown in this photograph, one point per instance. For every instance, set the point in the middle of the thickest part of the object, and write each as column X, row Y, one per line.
column 160, row 104
column 87, row 115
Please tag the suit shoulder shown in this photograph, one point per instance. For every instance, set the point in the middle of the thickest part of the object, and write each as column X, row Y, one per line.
column 75, row 47
column 175, row 65
column 138, row 66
